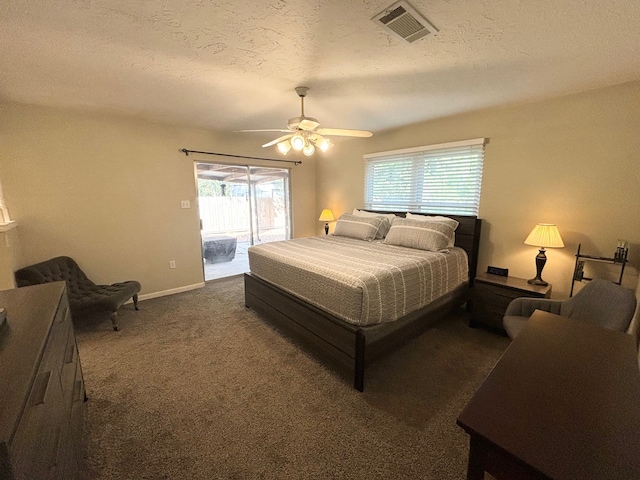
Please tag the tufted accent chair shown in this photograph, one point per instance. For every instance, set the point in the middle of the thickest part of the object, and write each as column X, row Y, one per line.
column 84, row 295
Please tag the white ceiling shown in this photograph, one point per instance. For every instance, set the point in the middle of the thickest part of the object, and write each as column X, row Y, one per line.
column 231, row 65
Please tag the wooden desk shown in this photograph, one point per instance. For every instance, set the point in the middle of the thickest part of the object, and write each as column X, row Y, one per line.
column 563, row 402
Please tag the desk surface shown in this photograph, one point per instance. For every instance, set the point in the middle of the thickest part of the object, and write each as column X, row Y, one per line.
column 565, row 400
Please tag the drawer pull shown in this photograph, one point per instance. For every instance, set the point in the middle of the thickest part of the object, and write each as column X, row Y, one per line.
column 71, row 349
column 40, row 388
column 77, row 391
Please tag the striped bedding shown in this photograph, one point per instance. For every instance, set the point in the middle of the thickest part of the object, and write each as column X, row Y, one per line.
column 363, row 283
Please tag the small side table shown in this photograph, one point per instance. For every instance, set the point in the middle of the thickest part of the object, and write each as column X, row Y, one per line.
column 493, row 293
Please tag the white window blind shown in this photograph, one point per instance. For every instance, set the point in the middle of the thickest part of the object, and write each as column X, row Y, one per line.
column 444, row 178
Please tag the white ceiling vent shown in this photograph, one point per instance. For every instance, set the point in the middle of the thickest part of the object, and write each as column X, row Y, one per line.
column 404, row 22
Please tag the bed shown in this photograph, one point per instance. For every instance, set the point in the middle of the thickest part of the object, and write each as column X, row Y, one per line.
column 350, row 339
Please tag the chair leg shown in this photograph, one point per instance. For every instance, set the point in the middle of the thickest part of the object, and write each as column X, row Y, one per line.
column 114, row 320
column 135, row 301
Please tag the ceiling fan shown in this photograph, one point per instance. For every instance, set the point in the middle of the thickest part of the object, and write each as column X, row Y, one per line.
column 304, row 133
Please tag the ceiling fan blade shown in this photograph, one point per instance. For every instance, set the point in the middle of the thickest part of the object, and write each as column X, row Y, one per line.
column 278, row 140
column 265, row 130
column 343, row 132
column 308, row 124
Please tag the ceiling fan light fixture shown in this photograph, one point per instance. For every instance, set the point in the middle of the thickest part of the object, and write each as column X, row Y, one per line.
column 304, row 133
column 323, row 144
column 308, row 149
column 284, row 147
column 298, row 141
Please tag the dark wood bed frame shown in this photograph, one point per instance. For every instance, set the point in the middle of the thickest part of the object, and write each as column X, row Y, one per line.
column 350, row 348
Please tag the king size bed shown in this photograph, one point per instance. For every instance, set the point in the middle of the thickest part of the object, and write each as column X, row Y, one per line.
column 377, row 282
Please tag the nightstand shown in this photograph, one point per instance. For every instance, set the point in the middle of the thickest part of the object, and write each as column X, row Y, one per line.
column 493, row 293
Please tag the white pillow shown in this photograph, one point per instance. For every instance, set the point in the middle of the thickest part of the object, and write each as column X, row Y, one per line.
column 388, row 217
column 436, row 218
column 431, row 236
column 433, row 218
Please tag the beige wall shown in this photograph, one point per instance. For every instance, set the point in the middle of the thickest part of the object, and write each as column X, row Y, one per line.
column 106, row 190
column 572, row 161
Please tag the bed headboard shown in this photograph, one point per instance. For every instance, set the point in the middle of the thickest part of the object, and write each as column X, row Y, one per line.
column 467, row 236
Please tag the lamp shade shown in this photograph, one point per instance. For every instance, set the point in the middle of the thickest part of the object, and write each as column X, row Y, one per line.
column 545, row 235
column 284, row 147
column 326, row 216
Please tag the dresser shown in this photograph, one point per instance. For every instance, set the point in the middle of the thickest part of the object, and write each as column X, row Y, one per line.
column 493, row 293
column 42, row 389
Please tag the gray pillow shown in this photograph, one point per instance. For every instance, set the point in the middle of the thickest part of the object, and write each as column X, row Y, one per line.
column 363, row 228
column 437, row 218
column 388, row 217
column 431, row 236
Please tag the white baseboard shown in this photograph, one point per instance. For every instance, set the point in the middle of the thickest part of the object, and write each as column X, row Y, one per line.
column 163, row 293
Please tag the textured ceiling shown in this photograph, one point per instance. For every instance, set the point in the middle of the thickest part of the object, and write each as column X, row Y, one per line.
column 234, row 64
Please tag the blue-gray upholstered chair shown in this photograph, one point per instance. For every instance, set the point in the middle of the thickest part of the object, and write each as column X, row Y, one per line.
column 601, row 302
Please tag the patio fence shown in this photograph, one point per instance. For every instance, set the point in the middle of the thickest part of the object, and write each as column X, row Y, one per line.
column 222, row 215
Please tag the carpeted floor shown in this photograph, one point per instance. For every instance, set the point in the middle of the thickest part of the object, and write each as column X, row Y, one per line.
column 196, row 386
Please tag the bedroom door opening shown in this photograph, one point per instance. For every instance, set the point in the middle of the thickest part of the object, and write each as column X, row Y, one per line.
column 240, row 206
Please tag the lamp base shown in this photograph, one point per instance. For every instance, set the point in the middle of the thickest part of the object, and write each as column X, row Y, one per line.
column 541, row 259
column 326, row 228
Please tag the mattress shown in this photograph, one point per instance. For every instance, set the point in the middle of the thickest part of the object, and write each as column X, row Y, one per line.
column 363, row 283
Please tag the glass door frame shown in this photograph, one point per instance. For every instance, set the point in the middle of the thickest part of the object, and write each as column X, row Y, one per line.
column 252, row 200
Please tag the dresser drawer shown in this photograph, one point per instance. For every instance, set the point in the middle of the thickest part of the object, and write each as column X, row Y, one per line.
column 71, row 461
column 53, row 357
column 77, row 411
column 492, row 295
column 40, row 440
column 496, row 297
column 62, row 315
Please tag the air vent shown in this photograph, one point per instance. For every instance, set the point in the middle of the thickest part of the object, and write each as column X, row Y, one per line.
column 404, row 22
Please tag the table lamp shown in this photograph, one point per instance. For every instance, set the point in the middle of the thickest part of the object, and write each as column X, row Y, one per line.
column 326, row 216
column 543, row 235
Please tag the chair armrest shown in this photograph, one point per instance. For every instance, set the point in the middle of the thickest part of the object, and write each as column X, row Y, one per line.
column 524, row 306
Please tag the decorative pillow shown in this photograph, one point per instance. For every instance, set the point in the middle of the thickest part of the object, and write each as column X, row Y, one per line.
column 388, row 217
column 433, row 218
column 431, row 236
column 363, row 228
column 437, row 218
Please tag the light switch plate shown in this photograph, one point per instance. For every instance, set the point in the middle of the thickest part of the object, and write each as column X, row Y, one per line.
column 185, row 204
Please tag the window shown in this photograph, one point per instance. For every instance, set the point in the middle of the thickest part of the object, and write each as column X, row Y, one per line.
column 5, row 220
column 444, row 178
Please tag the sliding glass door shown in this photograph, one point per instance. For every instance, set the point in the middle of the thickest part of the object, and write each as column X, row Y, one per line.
column 240, row 206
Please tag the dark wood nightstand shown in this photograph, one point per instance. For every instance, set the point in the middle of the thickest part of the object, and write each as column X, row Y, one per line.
column 493, row 293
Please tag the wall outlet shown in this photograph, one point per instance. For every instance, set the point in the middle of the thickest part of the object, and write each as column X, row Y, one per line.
column 172, row 264
column 185, row 204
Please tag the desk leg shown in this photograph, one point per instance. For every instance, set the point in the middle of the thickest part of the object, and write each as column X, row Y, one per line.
column 477, row 453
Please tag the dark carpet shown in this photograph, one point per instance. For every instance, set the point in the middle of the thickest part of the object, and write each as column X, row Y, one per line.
column 196, row 386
